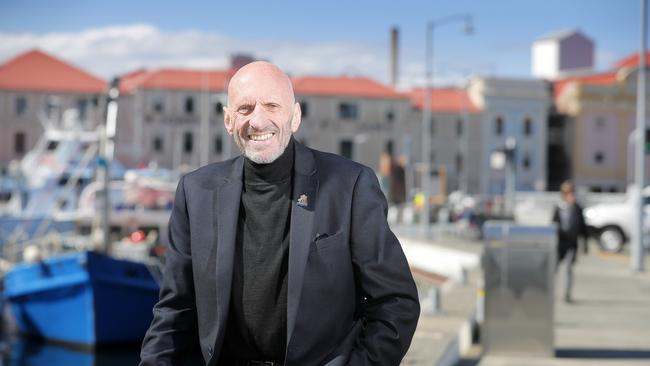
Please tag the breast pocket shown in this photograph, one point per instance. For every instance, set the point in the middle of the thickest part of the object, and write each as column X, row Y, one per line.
column 324, row 241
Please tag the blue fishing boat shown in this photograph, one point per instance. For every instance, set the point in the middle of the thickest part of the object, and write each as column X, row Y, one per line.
column 61, row 288
column 82, row 298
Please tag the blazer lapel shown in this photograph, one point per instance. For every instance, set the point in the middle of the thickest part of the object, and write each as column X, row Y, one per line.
column 305, row 187
column 226, row 205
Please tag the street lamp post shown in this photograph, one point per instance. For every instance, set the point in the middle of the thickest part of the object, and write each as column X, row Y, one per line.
column 426, row 109
column 637, row 236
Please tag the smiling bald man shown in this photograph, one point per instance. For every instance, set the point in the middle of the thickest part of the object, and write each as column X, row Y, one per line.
column 282, row 255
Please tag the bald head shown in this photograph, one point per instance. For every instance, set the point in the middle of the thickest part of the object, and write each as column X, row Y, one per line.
column 262, row 113
column 257, row 74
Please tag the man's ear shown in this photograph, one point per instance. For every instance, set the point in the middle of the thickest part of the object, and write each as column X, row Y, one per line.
column 227, row 120
column 297, row 117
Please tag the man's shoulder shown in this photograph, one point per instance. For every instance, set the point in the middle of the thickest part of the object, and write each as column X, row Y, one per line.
column 336, row 164
column 213, row 172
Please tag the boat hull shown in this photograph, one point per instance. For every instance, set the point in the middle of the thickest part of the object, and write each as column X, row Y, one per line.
column 82, row 298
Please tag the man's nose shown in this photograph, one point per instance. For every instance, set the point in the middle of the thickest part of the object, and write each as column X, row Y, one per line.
column 258, row 118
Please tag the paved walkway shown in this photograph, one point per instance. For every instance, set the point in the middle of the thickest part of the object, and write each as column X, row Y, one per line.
column 608, row 323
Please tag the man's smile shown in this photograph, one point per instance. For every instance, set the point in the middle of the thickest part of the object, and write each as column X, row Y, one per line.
column 262, row 137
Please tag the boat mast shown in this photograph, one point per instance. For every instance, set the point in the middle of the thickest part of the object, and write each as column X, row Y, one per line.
column 107, row 152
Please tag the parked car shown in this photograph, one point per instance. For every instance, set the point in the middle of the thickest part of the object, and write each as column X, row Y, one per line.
column 611, row 223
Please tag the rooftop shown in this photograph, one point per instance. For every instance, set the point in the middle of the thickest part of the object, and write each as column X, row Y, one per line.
column 360, row 87
column 449, row 100
column 38, row 71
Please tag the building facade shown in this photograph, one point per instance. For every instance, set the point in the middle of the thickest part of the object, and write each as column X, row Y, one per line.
column 600, row 116
column 517, row 109
column 175, row 117
column 469, row 125
column 35, row 87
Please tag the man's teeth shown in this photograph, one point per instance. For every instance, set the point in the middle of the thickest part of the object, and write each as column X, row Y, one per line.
column 263, row 137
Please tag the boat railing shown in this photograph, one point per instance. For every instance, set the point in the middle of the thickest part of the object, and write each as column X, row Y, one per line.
column 41, row 247
column 18, row 236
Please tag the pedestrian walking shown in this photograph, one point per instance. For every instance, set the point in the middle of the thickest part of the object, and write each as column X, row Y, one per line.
column 571, row 225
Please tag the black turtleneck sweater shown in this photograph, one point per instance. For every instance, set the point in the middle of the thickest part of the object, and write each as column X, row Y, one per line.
column 257, row 324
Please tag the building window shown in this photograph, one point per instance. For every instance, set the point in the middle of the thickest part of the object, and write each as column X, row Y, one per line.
column 52, row 103
column 459, row 163
column 82, row 107
column 433, row 127
column 525, row 163
column 158, row 144
column 188, row 142
column 189, row 105
column 498, row 126
column 600, row 123
column 346, row 149
column 21, row 105
column 348, row 111
column 19, row 143
column 389, row 147
column 528, row 126
column 218, row 144
column 599, row 157
column 158, row 104
column 218, row 108
column 459, row 127
column 390, row 115
column 304, row 109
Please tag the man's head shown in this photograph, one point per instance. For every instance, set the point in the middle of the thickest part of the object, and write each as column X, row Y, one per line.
column 568, row 192
column 262, row 113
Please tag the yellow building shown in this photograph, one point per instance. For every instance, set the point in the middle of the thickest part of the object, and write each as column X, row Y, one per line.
column 600, row 114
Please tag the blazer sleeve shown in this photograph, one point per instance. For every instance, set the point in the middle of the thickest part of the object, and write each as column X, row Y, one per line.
column 556, row 215
column 173, row 329
column 390, row 308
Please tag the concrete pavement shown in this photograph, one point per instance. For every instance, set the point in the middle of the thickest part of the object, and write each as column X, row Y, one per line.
column 608, row 323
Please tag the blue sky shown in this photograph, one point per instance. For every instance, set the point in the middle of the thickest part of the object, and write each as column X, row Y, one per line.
column 328, row 37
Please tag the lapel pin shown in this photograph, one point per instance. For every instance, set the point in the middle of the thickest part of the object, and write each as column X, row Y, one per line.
column 303, row 200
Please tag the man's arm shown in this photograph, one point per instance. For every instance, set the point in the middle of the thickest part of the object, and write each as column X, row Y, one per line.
column 391, row 309
column 173, row 328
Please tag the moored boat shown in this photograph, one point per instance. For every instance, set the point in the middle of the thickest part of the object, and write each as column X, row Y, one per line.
column 82, row 298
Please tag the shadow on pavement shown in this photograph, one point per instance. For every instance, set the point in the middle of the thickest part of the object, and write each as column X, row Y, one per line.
column 602, row 353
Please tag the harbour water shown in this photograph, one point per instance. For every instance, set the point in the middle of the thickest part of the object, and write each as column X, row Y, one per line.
column 24, row 351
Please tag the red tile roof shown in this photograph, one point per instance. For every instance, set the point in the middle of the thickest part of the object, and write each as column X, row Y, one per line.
column 344, row 86
column 37, row 71
column 607, row 78
column 449, row 100
column 631, row 61
column 176, row 79
column 594, row 79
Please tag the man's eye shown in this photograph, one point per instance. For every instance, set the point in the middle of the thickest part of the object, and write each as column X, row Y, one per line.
column 244, row 109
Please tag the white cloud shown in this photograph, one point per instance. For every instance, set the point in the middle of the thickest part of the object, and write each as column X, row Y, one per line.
column 112, row 50
column 109, row 51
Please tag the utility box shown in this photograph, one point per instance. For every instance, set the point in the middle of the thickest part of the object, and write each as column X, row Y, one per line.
column 519, row 264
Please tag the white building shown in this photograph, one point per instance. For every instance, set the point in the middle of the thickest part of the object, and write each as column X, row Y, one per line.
column 518, row 109
column 561, row 54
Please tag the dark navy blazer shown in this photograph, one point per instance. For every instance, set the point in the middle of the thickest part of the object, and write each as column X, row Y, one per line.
column 351, row 297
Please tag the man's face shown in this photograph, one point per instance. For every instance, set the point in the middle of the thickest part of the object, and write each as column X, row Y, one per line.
column 262, row 113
